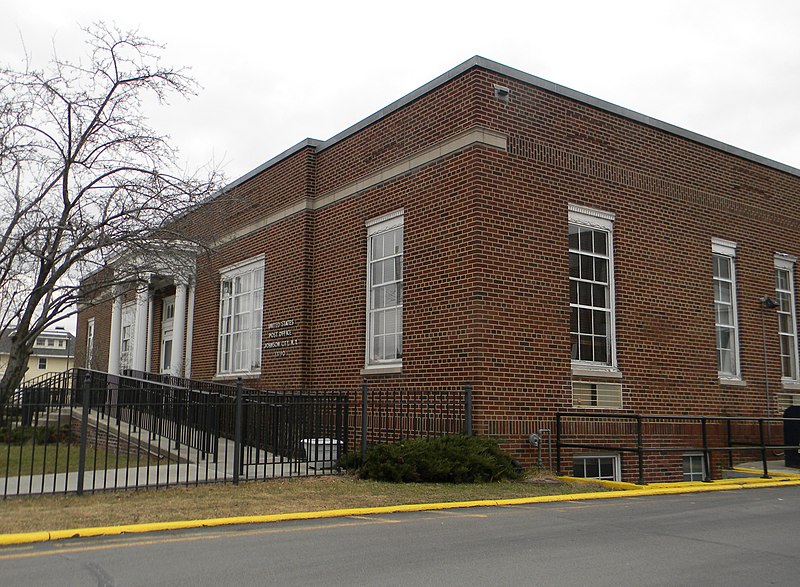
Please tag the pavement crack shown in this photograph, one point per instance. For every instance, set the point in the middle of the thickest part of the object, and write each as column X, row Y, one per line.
column 103, row 578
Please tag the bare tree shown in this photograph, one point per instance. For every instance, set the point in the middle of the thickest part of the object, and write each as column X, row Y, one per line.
column 83, row 180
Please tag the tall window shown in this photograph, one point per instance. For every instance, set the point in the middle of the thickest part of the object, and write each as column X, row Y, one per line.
column 240, row 317
column 724, row 255
column 89, row 343
column 385, row 290
column 787, row 322
column 591, row 286
column 126, row 340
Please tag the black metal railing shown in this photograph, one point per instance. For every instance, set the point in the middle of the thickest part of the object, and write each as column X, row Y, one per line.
column 390, row 416
column 650, row 439
column 84, row 431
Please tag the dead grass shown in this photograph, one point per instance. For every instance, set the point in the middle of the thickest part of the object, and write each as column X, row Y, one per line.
column 276, row 496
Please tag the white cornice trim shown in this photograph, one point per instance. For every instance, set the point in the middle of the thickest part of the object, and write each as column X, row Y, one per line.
column 299, row 206
column 384, row 218
column 473, row 137
column 257, row 261
column 785, row 260
column 590, row 217
column 586, row 211
column 722, row 246
column 527, row 78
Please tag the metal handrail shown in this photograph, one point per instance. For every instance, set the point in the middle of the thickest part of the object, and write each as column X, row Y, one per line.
column 641, row 448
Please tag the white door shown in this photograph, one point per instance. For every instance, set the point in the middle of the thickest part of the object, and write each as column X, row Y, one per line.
column 167, row 320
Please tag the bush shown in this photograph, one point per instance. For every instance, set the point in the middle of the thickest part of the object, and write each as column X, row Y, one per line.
column 445, row 459
column 38, row 435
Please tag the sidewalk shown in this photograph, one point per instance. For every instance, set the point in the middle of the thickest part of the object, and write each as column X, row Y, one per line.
column 774, row 469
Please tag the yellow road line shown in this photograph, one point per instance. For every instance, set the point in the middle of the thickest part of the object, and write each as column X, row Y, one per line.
column 131, row 542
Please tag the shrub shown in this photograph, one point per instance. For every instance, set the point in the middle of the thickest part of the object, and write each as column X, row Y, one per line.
column 445, row 459
column 39, row 434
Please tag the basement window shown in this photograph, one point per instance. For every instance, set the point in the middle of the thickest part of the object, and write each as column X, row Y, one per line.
column 603, row 467
column 694, row 468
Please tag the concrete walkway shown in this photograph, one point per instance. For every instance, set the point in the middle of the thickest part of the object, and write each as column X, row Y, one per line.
column 756, row 468
column 157, row 461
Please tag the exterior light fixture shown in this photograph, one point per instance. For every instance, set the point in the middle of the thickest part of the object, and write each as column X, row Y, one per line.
column 768, row 303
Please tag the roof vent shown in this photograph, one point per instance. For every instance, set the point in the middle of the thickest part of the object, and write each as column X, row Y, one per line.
column 502, row 93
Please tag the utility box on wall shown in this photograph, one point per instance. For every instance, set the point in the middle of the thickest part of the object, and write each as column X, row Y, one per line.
column 791, row 436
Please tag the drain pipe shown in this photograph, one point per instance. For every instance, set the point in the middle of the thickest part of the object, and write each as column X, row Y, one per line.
column 535, row 440
column 766, row 303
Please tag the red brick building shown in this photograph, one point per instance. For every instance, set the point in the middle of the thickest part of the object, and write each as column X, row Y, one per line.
column 554, row 250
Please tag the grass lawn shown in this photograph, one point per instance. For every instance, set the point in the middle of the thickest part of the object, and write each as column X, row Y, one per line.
column 27, row 459
column 275, row 496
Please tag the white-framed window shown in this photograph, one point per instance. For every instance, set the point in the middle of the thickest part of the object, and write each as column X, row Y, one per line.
column 724, row 271
column 168, row 309
column 591, row 286
column 42, row 363
column 241, row 312
column 167, row 321
column 596, row 395
column 787, row 319
column 384, row 344
column 694, row 467
column 166, row 350
column 127, row 338
column 605, row 467
column 89, row 343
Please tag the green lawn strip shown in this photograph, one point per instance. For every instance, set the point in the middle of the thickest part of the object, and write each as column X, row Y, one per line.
column 275, row 496
column 37, row 459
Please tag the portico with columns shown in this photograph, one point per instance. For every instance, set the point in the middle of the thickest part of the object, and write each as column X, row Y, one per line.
column 162, row 311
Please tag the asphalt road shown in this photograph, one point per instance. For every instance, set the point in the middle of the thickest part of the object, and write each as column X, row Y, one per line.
column 743, row 537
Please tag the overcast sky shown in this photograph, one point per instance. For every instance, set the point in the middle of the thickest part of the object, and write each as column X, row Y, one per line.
column 274, row 73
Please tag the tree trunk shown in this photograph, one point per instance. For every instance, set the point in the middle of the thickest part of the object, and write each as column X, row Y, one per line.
column 15, row 372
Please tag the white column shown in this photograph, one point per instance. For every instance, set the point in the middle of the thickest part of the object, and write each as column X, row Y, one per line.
column 178, row 329
column 140, row 339
column 189, row 331
column 116, row 333
column 149, row 352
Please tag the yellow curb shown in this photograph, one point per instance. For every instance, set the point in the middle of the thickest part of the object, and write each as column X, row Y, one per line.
column 609, row 484
column 673, row 489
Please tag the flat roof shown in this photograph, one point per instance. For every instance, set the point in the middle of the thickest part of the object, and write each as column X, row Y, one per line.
column 532, row 80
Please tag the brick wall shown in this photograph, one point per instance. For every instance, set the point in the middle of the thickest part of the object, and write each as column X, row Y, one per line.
column 486, row 264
